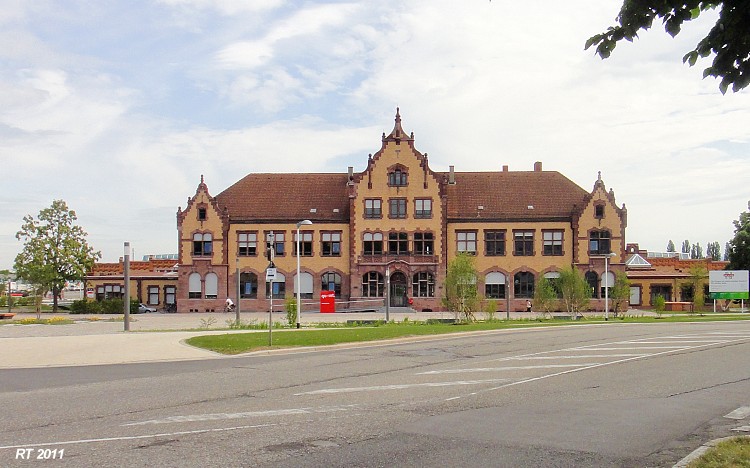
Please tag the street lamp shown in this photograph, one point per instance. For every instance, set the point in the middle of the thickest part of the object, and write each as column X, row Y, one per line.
column 606, row 288
column 304, row 222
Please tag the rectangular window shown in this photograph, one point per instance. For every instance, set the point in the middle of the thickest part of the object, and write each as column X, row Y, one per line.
column 422, row 208
column 247, row 244
column 372, row 243
column 279, row 244
column 523, row 243
column 553, row 242
column 170, row 295
column 599, row 243
column 373, row 209
column 202, row 244
column 466, row 241
column 397, row 178
column 423, row 243
column 494, row 291
column 305, row 244
column 398, row 243
column 397, row 208
column 494, row 243
column 153, row 295
column 331, row 244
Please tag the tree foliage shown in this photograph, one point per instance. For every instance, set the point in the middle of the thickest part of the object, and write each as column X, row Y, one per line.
column 575, row 290
column 738, row 249
column 728, row 41
column 461, row 293
column 713, row 251
column 619, row 294
column 696, row 251
column 698, row 275
column 686, row 246
column 545, row 295
column 670, row 246
column 55, row 250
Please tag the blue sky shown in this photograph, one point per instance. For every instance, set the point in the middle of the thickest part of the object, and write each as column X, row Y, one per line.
column 119, row 107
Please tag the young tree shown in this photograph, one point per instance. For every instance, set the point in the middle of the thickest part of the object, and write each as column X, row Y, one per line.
column 461, row 293
column 55, row 250
column 670, row 246
column 619, row 294
column 696, row 280
column 738, row 249
column 728, row 40
column 576, row 292
column 545, row 296
column 727, row 248
column 686, row 246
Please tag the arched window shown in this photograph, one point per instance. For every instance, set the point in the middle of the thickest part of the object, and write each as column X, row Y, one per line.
column 554, row 279
column 305, row 285
column 523, row 284
column 202, row 244
column 593, row 281
column 248, row 285
column 608, row 280
column 331, row 281
column 398, row 178
column 494, row 285
column 599, row 243
column 372, row 284
column 212, row 286
column 423, row 284
column 279, row 287
column 194, row 286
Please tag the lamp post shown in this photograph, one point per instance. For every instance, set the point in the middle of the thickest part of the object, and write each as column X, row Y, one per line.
column 237, row 307
column 304, row 222
column 606, row 288
column 387, row 293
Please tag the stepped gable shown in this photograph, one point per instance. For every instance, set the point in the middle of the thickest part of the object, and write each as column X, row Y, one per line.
column 508, row 195
column 284, row 197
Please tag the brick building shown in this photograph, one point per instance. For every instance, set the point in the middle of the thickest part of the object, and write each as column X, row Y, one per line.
column 397, row 222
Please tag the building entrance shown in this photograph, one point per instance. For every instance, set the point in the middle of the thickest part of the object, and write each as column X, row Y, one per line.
column 398, row 290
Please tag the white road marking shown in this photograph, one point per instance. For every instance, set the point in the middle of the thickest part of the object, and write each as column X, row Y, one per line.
column 742, row 429
column 494, row 369
column 400, row 386
column 681, row 341
column 145, row 436
column 246, row 414
column 576, row 356
column 636, row 347
column 740, row 413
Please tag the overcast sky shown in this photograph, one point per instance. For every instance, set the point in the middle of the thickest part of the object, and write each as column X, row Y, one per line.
column 119, row 107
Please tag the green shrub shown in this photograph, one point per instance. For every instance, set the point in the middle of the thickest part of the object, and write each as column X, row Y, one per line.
column 290, row 304
column 659, row 304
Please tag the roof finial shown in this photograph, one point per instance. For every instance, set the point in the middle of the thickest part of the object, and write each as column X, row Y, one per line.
column 398, row 115
column 201, row 178
column 600, row 176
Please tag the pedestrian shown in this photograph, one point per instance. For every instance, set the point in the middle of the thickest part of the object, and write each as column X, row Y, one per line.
column 528, row 305
column 229, row 306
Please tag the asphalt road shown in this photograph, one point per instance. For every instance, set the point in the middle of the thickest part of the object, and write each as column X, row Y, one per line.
column 601, row 395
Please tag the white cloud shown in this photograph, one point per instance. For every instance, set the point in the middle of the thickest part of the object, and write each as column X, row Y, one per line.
column 223, row 88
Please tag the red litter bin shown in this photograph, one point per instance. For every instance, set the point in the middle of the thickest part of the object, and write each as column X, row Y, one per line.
column 327, row 302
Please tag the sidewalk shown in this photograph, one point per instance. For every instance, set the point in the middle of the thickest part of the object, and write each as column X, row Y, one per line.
column 152, row 337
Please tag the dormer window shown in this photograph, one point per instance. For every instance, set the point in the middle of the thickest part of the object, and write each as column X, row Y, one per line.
column 398, row 178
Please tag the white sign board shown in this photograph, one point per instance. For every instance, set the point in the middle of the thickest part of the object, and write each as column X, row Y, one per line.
column 728, row 284
column 270, row 275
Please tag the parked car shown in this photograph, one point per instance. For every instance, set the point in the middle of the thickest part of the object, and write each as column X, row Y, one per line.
column 144, row 309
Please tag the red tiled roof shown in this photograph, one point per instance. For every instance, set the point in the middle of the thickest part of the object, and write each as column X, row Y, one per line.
column 508, row 195
column 270, row 197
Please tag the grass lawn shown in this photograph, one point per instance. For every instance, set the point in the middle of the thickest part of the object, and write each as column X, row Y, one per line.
column 730, row 453
column 235, row 343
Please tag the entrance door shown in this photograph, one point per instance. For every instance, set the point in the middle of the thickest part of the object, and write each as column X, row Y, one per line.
column 398, row 290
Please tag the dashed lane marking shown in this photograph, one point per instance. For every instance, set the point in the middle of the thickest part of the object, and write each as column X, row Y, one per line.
column 401, row 386
column 497, row 369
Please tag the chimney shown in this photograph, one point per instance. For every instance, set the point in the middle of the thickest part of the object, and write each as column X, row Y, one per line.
column 538, row 166
column 350, row 180
column 505, row 168
column 451, row 175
